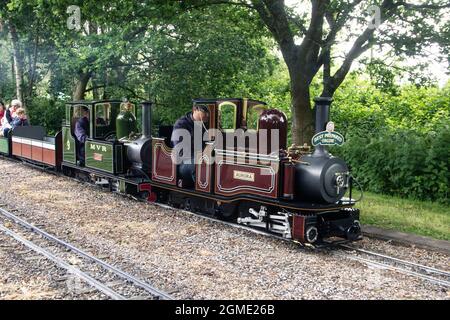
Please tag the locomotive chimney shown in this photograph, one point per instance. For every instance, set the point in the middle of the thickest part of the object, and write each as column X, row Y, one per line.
column 322, row 110
column 146, row 119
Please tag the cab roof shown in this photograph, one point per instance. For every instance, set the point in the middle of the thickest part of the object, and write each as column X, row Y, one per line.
column 209, row 100
column 93, row 101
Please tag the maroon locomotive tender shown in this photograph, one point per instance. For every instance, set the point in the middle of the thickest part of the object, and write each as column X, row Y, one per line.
column 291, row 192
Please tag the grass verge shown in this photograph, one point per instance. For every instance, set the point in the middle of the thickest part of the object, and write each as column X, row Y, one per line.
column 412, row 216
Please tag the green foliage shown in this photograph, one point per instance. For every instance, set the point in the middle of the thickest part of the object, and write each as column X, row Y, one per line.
column 402, row 162
column 47, row 113
column 396, row 145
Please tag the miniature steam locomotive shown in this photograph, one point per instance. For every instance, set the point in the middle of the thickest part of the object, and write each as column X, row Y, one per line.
column 291, row 192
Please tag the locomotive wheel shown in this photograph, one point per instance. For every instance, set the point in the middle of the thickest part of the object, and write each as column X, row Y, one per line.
column 68, row 172
column 312, row 234
column 227, row 212
column 187, row 205
column 144, row 195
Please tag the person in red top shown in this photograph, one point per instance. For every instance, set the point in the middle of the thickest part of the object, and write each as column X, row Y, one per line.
column 2, row 109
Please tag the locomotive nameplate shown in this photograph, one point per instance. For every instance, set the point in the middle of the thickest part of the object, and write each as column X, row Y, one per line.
column 242, row 175
column 98, row 157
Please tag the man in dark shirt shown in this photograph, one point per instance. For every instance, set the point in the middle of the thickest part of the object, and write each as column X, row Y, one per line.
column 81, row 134
column 199, row 116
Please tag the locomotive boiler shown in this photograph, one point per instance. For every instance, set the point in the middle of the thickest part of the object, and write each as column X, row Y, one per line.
column 324, row 178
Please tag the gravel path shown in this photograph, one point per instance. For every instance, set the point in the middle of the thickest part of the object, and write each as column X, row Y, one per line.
column 192, row 258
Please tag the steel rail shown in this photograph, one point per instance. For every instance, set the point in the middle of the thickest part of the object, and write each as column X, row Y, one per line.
column 401, row 270
column 150, row 289
column 399, row 261
column 82, row 275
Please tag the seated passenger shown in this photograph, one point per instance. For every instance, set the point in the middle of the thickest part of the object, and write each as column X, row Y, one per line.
column 198, row 116
column 81, row 134
column 4, row 122
column 100, row 121
column 19, row 120
column 11, row 111
column 2, row 117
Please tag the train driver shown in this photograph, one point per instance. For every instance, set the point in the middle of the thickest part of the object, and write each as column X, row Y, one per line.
column 199, row 116
column 81, row 133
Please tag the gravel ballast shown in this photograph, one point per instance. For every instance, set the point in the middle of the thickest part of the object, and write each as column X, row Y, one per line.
column 193, row 258
column 27, row 275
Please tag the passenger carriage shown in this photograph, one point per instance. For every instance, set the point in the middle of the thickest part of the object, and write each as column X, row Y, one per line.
column 31, row 144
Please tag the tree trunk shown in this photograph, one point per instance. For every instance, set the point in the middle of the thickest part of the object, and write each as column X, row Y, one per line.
column 18, row 66
column 302, row 115
column 95, row 88
column 80, row 88
column 32, row 67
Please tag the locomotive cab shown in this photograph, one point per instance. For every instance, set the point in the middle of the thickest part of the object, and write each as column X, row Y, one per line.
column 102, row 150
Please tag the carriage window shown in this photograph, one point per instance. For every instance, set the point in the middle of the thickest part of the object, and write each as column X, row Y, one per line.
column 102, row 114
column 227, row 116
column 253, row 114
column 76, row 110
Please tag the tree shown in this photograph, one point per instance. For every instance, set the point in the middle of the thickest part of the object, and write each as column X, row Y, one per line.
column 142, row 50
column 323, row 26
column 17, row 56
column 22, row 31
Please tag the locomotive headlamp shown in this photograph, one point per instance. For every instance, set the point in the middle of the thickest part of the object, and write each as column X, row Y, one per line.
column 341, row 180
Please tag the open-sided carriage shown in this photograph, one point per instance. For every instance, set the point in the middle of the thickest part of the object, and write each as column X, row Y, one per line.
column 31, row 144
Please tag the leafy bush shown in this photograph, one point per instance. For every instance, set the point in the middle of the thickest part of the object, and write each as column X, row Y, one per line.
column 403, row 162
column 396, row 144
column 46, row 113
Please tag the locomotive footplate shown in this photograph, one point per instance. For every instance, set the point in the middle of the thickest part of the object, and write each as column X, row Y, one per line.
column 343, row 223
column 315, row 228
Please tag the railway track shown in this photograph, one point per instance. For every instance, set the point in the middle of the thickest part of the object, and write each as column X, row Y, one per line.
column 111, row 281
column 375, row 259
column 369, row 258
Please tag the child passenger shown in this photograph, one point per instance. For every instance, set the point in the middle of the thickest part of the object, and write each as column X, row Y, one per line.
column 20, row 119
